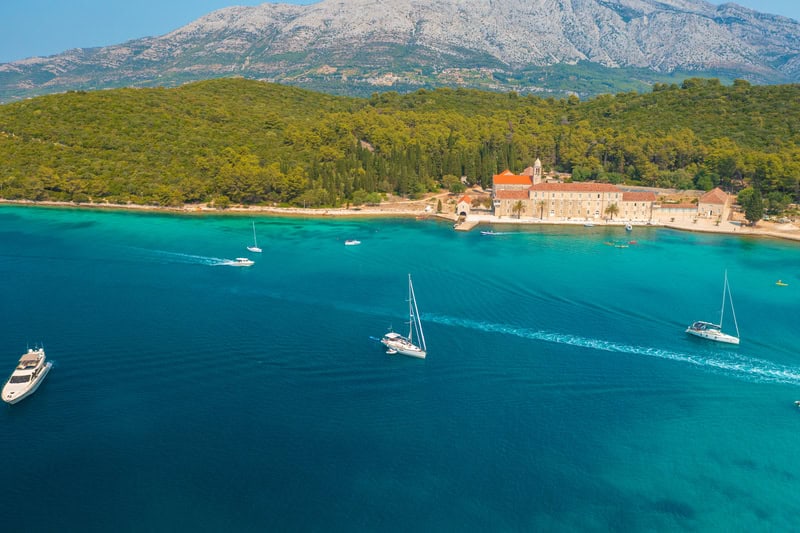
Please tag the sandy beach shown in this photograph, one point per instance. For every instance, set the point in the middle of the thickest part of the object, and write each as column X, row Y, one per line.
column 426, row 208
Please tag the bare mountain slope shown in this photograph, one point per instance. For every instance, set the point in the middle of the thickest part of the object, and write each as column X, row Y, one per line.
column 393, row 43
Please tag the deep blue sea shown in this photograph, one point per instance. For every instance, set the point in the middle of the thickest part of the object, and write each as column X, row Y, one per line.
column 560, row 392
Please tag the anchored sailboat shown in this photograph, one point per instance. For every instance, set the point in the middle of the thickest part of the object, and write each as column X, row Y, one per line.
column 396, row 343
column 255, row 247
column 707, row 330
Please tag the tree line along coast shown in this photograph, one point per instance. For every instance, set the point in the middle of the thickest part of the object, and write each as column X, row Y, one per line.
column 241, row 142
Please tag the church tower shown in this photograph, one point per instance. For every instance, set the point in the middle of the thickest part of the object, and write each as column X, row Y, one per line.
column 537, row 172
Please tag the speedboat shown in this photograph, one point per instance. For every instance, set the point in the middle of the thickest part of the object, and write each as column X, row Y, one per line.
column 242, row 262
column 351, row 242
column 26, row 378
column 781, row 283
column 710, row 331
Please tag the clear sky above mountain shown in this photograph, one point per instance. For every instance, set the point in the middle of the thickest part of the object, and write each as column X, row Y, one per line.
column 45, row 27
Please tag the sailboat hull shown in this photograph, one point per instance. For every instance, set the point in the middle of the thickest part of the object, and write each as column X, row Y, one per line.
column 713, row 335
column 397, row 344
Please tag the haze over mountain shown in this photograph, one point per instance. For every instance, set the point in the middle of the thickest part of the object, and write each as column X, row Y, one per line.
column 362, row 46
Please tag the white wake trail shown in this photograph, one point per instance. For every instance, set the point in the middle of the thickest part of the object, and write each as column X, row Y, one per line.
column 742, row 367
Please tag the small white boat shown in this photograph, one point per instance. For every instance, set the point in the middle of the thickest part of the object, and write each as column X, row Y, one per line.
column 396, row 343
column 713, row 332
column 628, row 227
column 588, row 224
column 255, row 247
column 242, row 262
column 26, row 378
column 351, row 242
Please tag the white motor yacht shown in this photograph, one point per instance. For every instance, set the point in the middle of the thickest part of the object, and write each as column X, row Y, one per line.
column 26, row 378
column 242, row 262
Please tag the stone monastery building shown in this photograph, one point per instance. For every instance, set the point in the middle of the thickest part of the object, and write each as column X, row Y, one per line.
column 534, row 197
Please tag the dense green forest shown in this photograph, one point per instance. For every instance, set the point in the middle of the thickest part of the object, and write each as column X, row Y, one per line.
column 241, row 141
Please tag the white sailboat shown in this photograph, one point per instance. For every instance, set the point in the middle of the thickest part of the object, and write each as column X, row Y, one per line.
column 707, row 330
column 255, row 247
column 396, row 343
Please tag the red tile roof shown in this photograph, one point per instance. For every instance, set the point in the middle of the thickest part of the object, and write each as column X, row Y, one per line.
column 465, row 198
column 638, row 197
column 509, row 178
column 504, row 194
column 715, row 196
column 575, row 187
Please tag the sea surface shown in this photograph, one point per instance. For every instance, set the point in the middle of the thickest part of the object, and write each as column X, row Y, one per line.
column 560, row 392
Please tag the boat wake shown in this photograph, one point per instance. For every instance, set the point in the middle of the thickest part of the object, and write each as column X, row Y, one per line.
column 177, row 257
column 739, row 366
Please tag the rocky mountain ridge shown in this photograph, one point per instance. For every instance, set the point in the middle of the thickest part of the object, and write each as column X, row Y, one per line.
column 352, row 45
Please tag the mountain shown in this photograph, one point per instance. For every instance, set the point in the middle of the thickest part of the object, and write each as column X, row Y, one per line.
column 364, row 46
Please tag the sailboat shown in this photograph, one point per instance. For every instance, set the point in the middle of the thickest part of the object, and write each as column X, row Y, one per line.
column 255, row 247
column 396, row 343
column 713, row 332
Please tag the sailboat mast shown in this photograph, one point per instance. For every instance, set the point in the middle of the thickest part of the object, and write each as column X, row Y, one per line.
column 255, row 241
column 416, row 319
column 733, row 311
column 724, row 290
column 410, row 310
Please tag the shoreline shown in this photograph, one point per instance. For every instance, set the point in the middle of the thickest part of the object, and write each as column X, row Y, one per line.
column 416, row 209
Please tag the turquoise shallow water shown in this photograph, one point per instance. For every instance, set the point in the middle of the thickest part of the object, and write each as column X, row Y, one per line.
column 560, row 391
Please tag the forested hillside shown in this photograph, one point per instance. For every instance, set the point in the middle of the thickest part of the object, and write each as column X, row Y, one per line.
column 243, row 141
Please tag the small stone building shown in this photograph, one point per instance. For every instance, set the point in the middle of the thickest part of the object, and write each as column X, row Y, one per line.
column 463, row 206
column 712, row 204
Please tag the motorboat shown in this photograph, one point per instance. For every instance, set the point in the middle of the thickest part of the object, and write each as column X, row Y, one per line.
column 242, row 262
column 396, row 343
column 628, row 227
column 781, row 283
column 711, row 331
column 27, row 376
column 351, row 242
